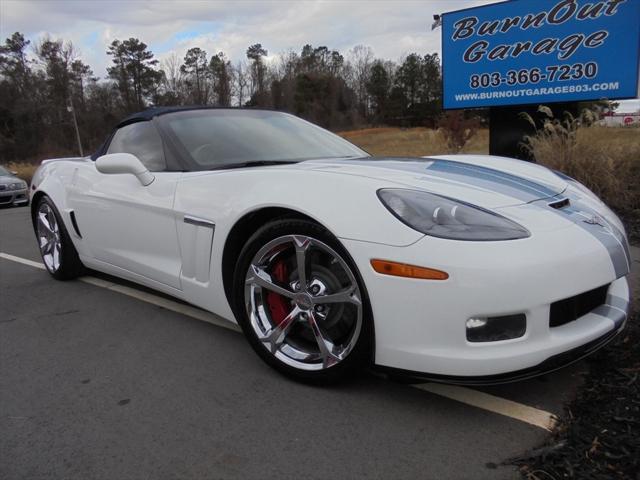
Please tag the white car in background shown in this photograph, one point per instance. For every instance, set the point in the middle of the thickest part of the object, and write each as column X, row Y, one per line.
column 470, row 269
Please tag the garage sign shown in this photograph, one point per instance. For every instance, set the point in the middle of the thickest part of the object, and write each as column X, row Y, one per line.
column 541, row 51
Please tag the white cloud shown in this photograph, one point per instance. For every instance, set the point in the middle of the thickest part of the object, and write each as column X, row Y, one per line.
column 391, row 28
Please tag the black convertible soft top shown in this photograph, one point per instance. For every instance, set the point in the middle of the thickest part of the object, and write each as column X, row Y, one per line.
column 151, row 112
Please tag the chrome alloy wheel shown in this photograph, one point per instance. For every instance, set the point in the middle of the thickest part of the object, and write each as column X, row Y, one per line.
column 49, row 237
column 303, row 302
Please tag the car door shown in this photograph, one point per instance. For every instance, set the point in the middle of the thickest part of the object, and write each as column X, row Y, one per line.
column 124, row 223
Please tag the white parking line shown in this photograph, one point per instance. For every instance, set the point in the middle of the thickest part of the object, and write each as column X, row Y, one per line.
column 485, row 401
column 24, row 261
column 468, row 396
column 163, row 302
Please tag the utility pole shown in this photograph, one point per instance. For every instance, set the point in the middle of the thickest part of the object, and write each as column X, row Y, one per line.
column 75, row 124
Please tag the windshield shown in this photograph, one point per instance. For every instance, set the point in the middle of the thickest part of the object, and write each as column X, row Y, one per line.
column 3, row 171
column 224, row 138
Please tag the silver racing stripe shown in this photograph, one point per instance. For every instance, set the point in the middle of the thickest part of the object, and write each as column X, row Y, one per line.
column 617, row 316
column 617, row 302
column 525, row 190
column 620, row 255
column 611, row 238
column 529, row 191
column 490, row 179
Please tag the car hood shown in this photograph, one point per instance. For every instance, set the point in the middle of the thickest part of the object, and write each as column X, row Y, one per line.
column 6, row 179
column 486, row 181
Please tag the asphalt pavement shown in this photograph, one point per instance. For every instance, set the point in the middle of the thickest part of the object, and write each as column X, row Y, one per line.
column 95, row 384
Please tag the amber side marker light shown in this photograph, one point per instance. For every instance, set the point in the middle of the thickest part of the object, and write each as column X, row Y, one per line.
column 410, row 271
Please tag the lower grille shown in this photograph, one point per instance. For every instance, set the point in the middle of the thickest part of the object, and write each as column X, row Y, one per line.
column 572, row 308
column 6, row 199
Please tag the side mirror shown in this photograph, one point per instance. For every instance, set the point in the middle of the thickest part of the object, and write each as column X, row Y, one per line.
column 115, row 163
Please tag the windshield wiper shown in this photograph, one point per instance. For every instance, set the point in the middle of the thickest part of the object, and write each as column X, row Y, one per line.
column 255, row 163
column 266, row 163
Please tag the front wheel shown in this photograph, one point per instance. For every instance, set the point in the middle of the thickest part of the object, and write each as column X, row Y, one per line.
column 56, row 248
column 300, row 302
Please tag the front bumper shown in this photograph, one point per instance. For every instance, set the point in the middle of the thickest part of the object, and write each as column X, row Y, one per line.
column 551, row 364
column 14, row 197
column 420, row 325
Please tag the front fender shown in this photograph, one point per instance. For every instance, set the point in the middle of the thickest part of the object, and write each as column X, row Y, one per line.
column 53, row 179
column 347, row 205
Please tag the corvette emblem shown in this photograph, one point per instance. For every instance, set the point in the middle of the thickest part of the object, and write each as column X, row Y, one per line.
column 594, row 220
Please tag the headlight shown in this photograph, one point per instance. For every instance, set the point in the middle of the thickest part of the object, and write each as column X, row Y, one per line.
column 447, row 218
column 17, row 186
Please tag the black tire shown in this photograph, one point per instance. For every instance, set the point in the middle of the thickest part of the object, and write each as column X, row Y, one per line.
column 360, row 354
column 69, row 264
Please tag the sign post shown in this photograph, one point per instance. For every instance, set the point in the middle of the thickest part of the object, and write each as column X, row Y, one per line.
column 529, row 52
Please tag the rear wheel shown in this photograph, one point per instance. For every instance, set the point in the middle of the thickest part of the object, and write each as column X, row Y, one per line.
column 300, row 302
column 56, row 248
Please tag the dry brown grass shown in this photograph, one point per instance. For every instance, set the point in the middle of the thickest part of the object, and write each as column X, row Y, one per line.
column 607, row 160
column 478, row 144
column 411, row 142
column 24, row 170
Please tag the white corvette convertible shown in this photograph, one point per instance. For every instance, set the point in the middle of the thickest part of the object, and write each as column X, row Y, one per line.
column 469, row 269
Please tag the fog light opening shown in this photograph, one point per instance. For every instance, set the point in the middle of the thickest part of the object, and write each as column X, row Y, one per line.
column 496, row 329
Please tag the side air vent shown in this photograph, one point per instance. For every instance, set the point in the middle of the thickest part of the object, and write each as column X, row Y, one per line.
column 562, row 203
column 72, row 214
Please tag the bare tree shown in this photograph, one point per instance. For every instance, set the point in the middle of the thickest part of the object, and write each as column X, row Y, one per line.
column 241, row 82
column 173, row 80
column 361, row 60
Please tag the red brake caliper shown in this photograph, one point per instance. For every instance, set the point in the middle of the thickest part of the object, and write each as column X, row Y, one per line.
column 279, row 307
